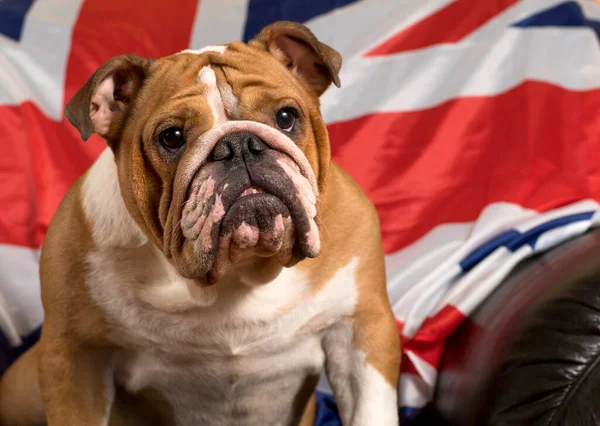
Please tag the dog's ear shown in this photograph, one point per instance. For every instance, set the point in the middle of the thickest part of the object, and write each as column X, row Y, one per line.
column 294, row 45
column 102, row 104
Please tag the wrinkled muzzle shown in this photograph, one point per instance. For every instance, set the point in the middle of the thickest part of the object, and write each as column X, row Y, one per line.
column 244, row 189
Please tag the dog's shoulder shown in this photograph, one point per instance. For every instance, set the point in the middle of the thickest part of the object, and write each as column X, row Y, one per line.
column 68, row 307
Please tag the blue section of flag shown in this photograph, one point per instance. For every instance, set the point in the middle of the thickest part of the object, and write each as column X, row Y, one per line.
column 265, row 12
column 408, row 414
column 568, row 14
column 327, row 413
column 513, row 239
column 8, row 353
column 483, row 251
column 12, row 17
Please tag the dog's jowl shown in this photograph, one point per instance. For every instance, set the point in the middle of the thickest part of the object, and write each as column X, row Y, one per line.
column 214, row 260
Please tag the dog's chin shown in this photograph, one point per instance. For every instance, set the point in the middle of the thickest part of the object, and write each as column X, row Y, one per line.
column 257, row 224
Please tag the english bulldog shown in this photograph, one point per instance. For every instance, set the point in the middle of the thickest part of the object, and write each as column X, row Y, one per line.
column 213, row 261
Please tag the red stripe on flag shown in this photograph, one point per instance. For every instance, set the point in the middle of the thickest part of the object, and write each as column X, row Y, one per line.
column 42, row 161
column 407, row 366
column 535, row 145
column 428, row 343
column 449, row 25
column 441, row 325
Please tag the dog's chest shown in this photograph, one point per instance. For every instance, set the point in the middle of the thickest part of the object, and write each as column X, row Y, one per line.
column 241, row 361
column 209, row 388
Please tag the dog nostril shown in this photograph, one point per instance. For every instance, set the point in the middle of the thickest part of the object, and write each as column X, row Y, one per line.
column 222, row 151
column 255, row 145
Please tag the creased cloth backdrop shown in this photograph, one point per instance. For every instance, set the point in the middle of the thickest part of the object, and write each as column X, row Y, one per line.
column 472, row 125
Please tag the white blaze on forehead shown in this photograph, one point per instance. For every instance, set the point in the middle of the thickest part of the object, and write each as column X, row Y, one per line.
column 230, row 101
column 215, row 49
column 207, row 77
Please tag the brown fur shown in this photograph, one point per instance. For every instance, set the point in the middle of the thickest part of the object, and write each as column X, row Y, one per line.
column 24, row 407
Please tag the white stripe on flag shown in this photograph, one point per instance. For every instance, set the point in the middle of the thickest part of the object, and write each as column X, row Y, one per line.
column 360, row 26
column 428, row 77
column 515, row 13
column 20, row 302
column 34, row 68
column 218, row 22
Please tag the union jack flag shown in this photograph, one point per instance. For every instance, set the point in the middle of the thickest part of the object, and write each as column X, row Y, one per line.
column 472, row 125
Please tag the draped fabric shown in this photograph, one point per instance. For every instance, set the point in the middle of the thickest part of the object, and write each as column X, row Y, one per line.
column 472, row 126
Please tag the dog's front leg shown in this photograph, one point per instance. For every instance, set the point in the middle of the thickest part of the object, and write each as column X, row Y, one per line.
column 362, row 366
column 76, row 383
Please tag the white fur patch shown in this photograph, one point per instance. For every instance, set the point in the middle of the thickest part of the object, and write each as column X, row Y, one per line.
column 103, row 204
column 230, row 102
column 207, row 77
column 377, row 400
column 215, row 48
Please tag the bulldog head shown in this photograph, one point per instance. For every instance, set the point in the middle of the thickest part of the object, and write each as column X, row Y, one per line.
column 222, row 152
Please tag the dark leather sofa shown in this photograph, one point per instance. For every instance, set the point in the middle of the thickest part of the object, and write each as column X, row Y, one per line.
column 531, row 356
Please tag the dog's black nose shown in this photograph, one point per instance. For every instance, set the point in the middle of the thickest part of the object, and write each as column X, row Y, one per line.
column 237, row 144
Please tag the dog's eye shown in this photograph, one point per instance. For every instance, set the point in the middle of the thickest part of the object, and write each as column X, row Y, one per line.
column 172, row 138
column 286, row 119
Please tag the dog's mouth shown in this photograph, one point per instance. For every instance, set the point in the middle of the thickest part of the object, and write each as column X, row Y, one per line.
column 252, row 190
column 264, row 210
